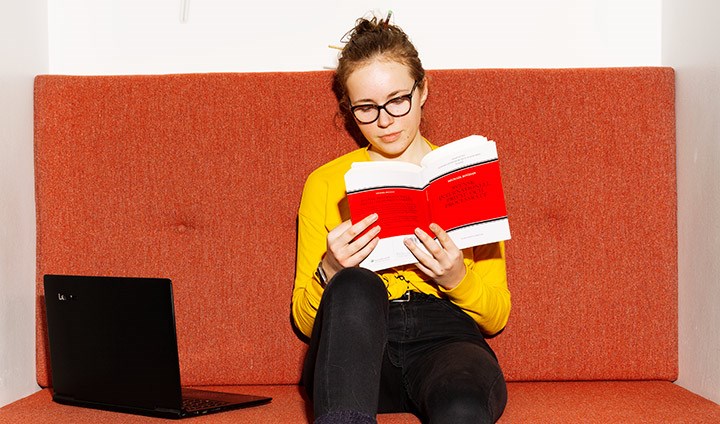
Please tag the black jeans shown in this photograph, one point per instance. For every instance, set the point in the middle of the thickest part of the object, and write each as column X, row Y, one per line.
column 425, row 356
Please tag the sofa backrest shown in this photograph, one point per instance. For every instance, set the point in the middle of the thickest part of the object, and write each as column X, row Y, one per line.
column 198, row 178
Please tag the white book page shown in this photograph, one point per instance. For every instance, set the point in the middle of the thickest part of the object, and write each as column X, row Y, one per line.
column 391, row 252
column 457, row 155
column 368, row 175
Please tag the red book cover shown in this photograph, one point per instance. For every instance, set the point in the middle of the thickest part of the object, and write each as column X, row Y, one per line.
column 457, row 186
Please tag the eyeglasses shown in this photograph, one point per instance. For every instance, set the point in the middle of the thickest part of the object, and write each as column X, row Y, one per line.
column 397, row 107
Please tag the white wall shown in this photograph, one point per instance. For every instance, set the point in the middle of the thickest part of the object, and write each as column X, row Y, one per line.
column 149, row 36
column 23, row 54
column 690, row 45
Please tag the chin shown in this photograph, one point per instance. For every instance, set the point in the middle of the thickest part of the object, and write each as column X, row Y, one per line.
column 391, row 152
column 395, row 148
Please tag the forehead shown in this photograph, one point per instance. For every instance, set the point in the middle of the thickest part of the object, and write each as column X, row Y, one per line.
column 378, row 80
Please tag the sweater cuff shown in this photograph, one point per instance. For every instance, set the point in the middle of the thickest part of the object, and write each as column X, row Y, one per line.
column 315, row 290
column 463, row 289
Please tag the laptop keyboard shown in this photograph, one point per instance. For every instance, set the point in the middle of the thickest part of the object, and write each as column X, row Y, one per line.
column 195, row 404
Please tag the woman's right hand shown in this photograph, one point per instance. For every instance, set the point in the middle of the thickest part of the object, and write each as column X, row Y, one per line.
column 344, row 250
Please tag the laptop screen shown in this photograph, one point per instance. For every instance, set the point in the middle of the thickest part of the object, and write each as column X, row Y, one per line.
column 112, row 341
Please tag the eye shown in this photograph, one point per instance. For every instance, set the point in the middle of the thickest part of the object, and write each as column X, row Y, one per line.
column 397, row 101
column 364, row 108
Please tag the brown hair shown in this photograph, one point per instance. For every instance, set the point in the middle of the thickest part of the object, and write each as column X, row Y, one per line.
column 369, row 40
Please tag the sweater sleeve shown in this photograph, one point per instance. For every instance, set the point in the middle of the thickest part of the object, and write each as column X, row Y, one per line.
column 311, row 246
column 483, row 293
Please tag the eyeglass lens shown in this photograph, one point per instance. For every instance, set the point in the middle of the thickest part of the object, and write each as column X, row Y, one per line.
column 397, row 107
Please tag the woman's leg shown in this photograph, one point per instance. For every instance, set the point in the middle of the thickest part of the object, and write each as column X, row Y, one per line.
column 451, row 373
column 342, row 368
column 458, row 383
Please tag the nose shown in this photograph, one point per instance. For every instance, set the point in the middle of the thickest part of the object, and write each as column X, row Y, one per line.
column 385, row 119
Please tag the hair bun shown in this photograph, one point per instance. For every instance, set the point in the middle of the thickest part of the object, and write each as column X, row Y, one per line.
column 368, row 24
column 370, row 39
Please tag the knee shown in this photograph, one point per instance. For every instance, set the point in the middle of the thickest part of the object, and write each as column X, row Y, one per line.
column 356, row 285
column 468, row 403
column 356, row 294
column 465, row 408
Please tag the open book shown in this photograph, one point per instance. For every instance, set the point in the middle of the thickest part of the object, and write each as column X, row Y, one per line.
column 456, row 186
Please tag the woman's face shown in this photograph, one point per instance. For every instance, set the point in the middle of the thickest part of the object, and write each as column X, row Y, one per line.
column 375, row 84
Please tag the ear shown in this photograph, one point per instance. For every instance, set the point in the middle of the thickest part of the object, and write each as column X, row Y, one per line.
column 424, row 91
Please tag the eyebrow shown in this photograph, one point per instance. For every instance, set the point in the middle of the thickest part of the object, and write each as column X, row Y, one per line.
column 390, row 96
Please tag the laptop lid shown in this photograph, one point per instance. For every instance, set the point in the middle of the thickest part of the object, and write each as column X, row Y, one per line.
column 113, row 345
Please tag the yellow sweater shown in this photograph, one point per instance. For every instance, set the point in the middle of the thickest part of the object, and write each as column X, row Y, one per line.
column 482, row 294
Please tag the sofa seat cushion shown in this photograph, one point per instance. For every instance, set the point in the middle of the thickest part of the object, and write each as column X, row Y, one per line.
column 288, row 406
column 551, row 402
column 607, row 402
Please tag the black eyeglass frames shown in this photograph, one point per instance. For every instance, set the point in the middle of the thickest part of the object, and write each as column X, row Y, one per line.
column 397, row 107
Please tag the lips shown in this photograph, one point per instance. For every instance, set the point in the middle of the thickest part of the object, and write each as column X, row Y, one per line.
column 389, row 138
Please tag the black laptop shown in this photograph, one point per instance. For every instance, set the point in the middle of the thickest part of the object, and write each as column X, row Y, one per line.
column 113, row 346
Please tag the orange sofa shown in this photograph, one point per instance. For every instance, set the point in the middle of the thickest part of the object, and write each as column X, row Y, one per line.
column 198, row 178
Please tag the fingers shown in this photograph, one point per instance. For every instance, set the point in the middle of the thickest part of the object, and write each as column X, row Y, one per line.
column 431, row 257
column 357, row 229
column 443, row 261
column 441, row 249
column 430, row 244
column 443, row 237
column 347, row 247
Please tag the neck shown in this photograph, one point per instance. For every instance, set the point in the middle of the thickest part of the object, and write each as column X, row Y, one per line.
column 413, row 154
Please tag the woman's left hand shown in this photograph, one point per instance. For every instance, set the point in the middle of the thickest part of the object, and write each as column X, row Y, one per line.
column 445, row 263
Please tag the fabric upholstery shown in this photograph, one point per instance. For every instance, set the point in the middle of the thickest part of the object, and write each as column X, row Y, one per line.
column 198, row 178
column 537, row 402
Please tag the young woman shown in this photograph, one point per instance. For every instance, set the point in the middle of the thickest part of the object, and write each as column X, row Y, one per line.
column 407, row 339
